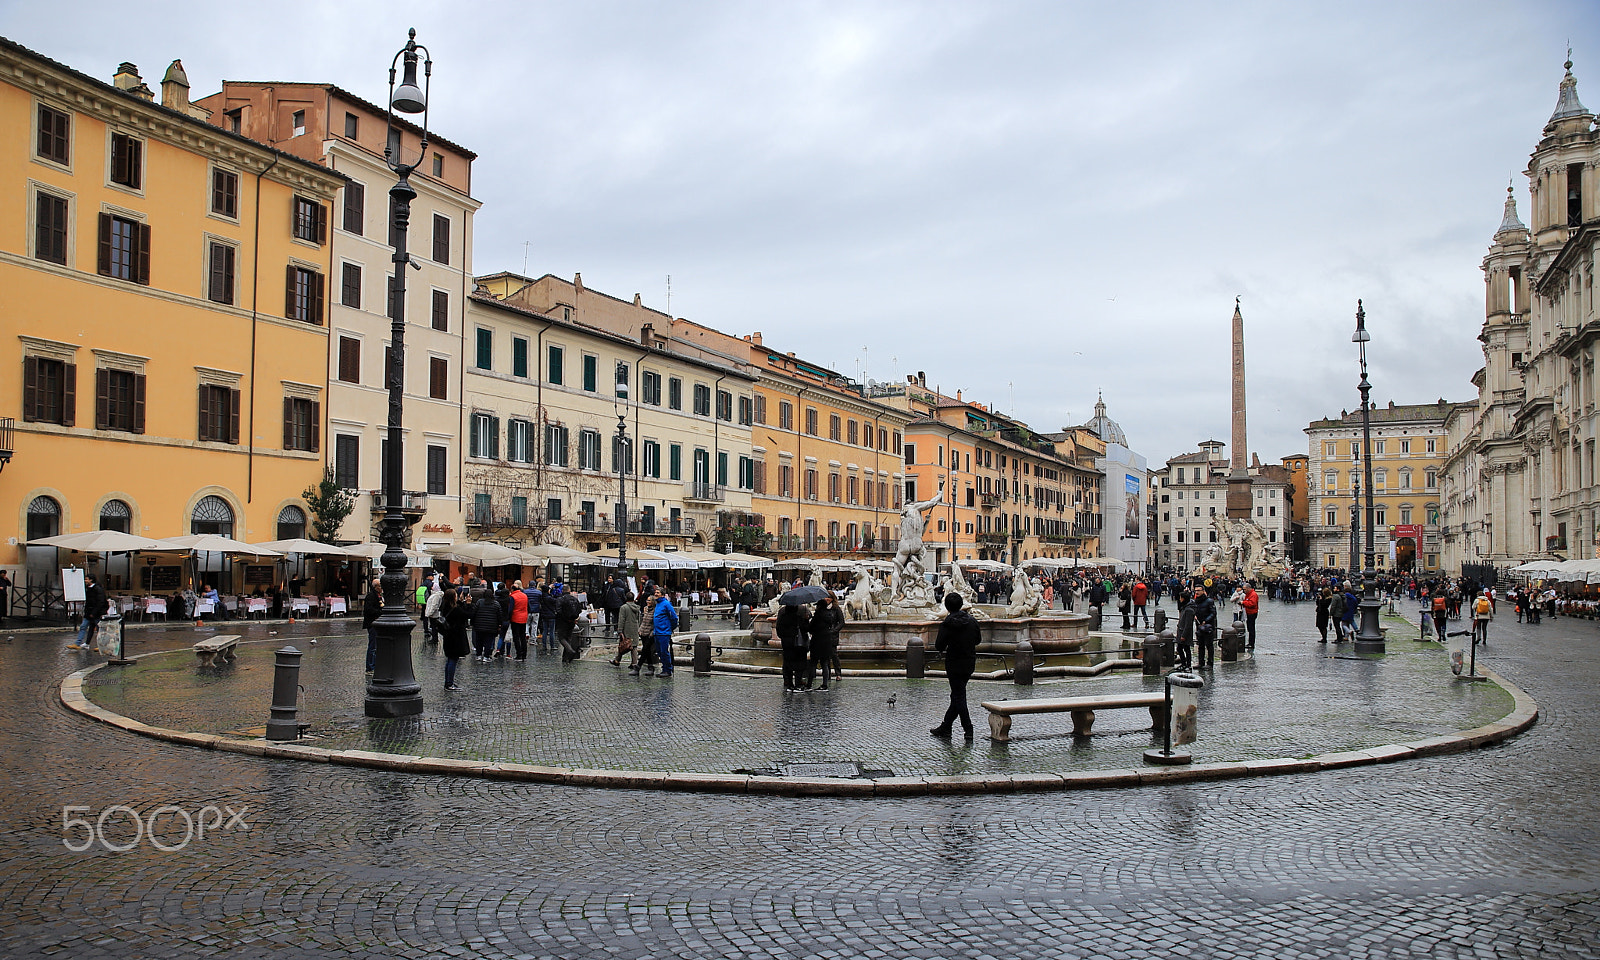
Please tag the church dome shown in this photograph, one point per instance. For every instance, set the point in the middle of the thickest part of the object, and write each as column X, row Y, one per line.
column 1103, row 426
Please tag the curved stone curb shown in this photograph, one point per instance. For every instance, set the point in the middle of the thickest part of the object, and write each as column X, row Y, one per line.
column 1523, row 715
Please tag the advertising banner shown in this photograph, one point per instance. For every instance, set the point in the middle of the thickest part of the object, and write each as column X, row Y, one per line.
column 1133, row 520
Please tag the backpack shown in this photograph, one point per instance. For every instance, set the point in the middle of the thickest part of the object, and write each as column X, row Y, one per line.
column 1438, row 605
column 567, row 607
column 1482, row 606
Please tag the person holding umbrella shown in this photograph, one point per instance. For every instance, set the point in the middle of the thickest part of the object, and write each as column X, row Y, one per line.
column 958, row 640
column 824, row 628
column 794, row 632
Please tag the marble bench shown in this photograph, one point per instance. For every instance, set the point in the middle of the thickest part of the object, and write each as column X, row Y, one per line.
column 1081, row 708
column 210, row 649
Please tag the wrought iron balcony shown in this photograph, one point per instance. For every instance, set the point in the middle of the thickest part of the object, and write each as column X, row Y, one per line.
column 704, row 492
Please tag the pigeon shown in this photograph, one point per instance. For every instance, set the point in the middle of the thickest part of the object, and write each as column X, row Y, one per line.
column 891, row 699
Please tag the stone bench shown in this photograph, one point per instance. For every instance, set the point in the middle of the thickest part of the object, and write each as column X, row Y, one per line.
column 210, row 649
column 1081, row 708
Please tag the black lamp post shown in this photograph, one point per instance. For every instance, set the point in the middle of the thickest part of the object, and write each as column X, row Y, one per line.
column 622, row 468
column 392, row 690
column 1369, row 638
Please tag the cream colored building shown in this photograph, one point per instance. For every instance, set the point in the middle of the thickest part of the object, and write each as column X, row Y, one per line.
column 1522, row 476
column 543, row 404
column 1192, row 492
column 330, row 126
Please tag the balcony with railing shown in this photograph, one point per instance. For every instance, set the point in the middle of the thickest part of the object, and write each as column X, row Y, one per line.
column 702, row 492
column 493, row 515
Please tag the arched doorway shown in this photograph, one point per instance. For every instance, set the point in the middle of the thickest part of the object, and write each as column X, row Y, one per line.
column 44, row 518
column 115, row 515
column 1405, row 555
column 212, row 515
column 291, row 523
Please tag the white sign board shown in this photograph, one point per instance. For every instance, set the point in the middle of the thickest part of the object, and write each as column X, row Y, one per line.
column 72, row 584
column 1185, row 714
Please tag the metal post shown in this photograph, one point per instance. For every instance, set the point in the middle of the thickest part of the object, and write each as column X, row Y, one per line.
column 1022, row 675
column 1369, row 637
column 702, row 654
column 916, row 662
column 283, row 723
column 622, row 493
column 393, row 690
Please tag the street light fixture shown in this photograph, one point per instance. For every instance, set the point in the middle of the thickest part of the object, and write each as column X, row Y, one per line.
column 392, row 690
column 619, row 405
column 1369, row 638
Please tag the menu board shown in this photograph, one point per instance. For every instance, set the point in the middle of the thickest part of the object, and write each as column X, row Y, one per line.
column 258, row 575
column 160, row 579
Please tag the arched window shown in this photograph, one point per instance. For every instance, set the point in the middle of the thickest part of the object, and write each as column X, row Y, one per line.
column 212, row 515
column 291, row 523
column 44, row 518
column 115, row 515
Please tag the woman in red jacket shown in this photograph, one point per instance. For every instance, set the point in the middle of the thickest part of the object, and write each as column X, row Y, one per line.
column 1252, row 606
column 519, row 620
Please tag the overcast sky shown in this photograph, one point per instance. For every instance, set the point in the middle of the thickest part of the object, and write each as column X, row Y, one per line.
column 1028, row 201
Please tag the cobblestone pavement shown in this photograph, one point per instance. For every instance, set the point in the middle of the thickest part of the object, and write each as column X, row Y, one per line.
column 1293, row 699
column 1490, row 853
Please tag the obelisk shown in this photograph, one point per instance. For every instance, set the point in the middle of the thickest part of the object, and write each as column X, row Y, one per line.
column 1239, row 475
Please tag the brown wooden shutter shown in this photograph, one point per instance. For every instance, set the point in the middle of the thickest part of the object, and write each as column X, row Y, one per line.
column 135, row 163
column 233, row 416
column 102, row 398
column 288, row 423
column 288, row 293
column 318, row 295
column 138, row 403
column 30, row 389
column 69, row 394
column 105, row 244
column 142, row 268
column 320, row 215
column 316, row 426
column 203, row 431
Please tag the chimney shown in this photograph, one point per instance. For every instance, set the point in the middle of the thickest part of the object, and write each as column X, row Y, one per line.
column 175, row 93
column 636, row 301
column 127, row 78
column 958, row 396
column 755, row 338
column 647, row 332
column 922, row 379
column 577, row 281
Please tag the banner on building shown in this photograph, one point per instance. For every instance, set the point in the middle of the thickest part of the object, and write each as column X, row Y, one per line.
column 1133, row 521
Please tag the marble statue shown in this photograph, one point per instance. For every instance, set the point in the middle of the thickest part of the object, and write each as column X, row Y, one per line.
column 956, row 582
column 867, row 598
column 912, row 594
column 1027, row 600
column 1241, row 550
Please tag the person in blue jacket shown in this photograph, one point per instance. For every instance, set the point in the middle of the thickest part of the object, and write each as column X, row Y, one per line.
column 664, row 620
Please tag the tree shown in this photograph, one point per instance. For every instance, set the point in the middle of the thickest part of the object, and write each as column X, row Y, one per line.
column 330, row 505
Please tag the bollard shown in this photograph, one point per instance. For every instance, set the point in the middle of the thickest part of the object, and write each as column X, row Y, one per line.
column 747, row 618
column 1094, row 618
column 1160, row 625
column 702, row 654
column 1230, row 639
column 285, row 695
column 1023, row 676
column 685, row 619
column 1150, row 651
column 1169, row 646
column 916, row 666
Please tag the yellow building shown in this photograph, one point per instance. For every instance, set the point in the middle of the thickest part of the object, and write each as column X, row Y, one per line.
column 828, row 474
column 164, row 308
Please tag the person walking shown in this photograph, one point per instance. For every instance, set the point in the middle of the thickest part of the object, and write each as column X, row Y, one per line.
column 958, row 640
column 5, row 596
column 1205, row 627
column 1125, row 604
column 825, row 626
column 612, row 598
column 371, row 610
column 420, row 598
column 547, row 617
column 1324, row 611
column 1347, row 622
column 628, row 619
column 1251, row 604
column 1482, row 613
column 453, row 619
column 1440, row 611
column 794, row 635
column 485, row 625
column 1185, row 631
column 432, row 610
column 519, row 620
column 567, row 610
column 663, row 621
column 1141, row 596
column 502, row 596
column 95, row 605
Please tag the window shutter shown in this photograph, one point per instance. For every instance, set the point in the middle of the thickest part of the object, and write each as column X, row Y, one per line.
column 474, row 436
column 288, row 423
column 233, row 415
column 320, row 214
column 288, row 293
column 318, row 289
column 316, row 426
column 69, row 394
column 494, row 437
column 138, row 403
column 135, row 163
column 30, row 389
column 203, row 430
column 102, row 397
column 142, row 268
column 105, row 244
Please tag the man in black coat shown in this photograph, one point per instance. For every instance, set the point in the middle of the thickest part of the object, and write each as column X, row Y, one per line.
column 614, row 596
column 1205, row 626
column 371, row 609
column 958, row 640
column 95, row 605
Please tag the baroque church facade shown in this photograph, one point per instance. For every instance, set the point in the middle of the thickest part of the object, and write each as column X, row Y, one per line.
column 1520, row 480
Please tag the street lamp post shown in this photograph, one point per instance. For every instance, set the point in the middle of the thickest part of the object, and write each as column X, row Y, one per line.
column 392, row 690
column 1369, row 638
column 622, row 468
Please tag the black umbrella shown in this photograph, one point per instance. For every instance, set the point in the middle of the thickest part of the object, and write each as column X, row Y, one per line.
column 800, row 596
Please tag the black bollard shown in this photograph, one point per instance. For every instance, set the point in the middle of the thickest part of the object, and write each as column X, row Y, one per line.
column 916, row 665
column 1150, row 651
column 285, row 695
column 1160, row 624
column 1094, row 618
column 1023, row 674
column 702, row 654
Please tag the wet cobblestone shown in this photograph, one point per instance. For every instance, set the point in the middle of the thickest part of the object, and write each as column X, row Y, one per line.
column 1295, row 698
column 1489, row 853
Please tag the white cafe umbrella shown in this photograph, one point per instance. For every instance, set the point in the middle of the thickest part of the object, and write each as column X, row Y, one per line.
column 102, row 541
column 479, row 553
column 215, row 543
column 305, row 547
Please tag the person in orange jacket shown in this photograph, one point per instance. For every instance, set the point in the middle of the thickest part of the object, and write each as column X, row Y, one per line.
column 1252, row 606
column 1141, row 596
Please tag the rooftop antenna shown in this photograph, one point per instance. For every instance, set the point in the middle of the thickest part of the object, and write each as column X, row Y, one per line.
column 669, row 294
column 1011, row 409
column 525, row 244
